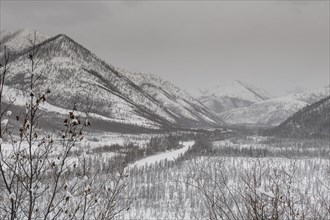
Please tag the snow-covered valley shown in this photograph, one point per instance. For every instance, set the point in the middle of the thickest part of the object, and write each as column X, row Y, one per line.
column 83, row 139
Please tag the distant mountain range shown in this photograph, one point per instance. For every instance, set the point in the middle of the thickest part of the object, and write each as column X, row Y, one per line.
column 76, row 75
column 273, row 111
column 313, row 120
column 123, row 99
column 232, row 95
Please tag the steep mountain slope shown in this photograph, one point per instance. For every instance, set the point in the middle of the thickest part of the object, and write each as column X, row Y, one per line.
column 273, row 111
column 178, row 102
column 52, row 116
column 232, row 95
column 313, row 120
column 75, row 75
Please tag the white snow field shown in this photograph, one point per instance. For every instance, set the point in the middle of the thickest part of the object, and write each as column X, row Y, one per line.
column 169, row 155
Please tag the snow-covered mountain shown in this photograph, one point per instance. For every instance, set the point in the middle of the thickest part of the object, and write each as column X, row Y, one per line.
column 313, row 120
column 273, row 111
column 75, row 75
column 232, row 95
column 177, row 101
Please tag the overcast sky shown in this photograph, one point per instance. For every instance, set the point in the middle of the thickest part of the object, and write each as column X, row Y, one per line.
column 278, row 45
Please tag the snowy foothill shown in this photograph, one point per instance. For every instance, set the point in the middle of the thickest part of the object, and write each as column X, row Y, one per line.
column 18, row 97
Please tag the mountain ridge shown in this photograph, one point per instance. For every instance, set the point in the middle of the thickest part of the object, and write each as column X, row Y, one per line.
column 273, row 111
column 66, row 62
column 232, row 95
column 311, row 121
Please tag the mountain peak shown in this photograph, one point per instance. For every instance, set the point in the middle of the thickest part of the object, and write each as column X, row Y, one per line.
column 64, row 37
column 232, row 94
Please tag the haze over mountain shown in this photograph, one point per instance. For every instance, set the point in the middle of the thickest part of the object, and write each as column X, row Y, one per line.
column 75, row 75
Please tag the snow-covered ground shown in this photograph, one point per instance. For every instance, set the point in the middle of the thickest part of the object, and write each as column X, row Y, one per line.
column 168, row 192
column 169, row 155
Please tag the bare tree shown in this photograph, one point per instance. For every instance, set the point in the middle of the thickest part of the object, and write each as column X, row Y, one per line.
column 6, row 179
column 262, row 193
column 39, row 179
